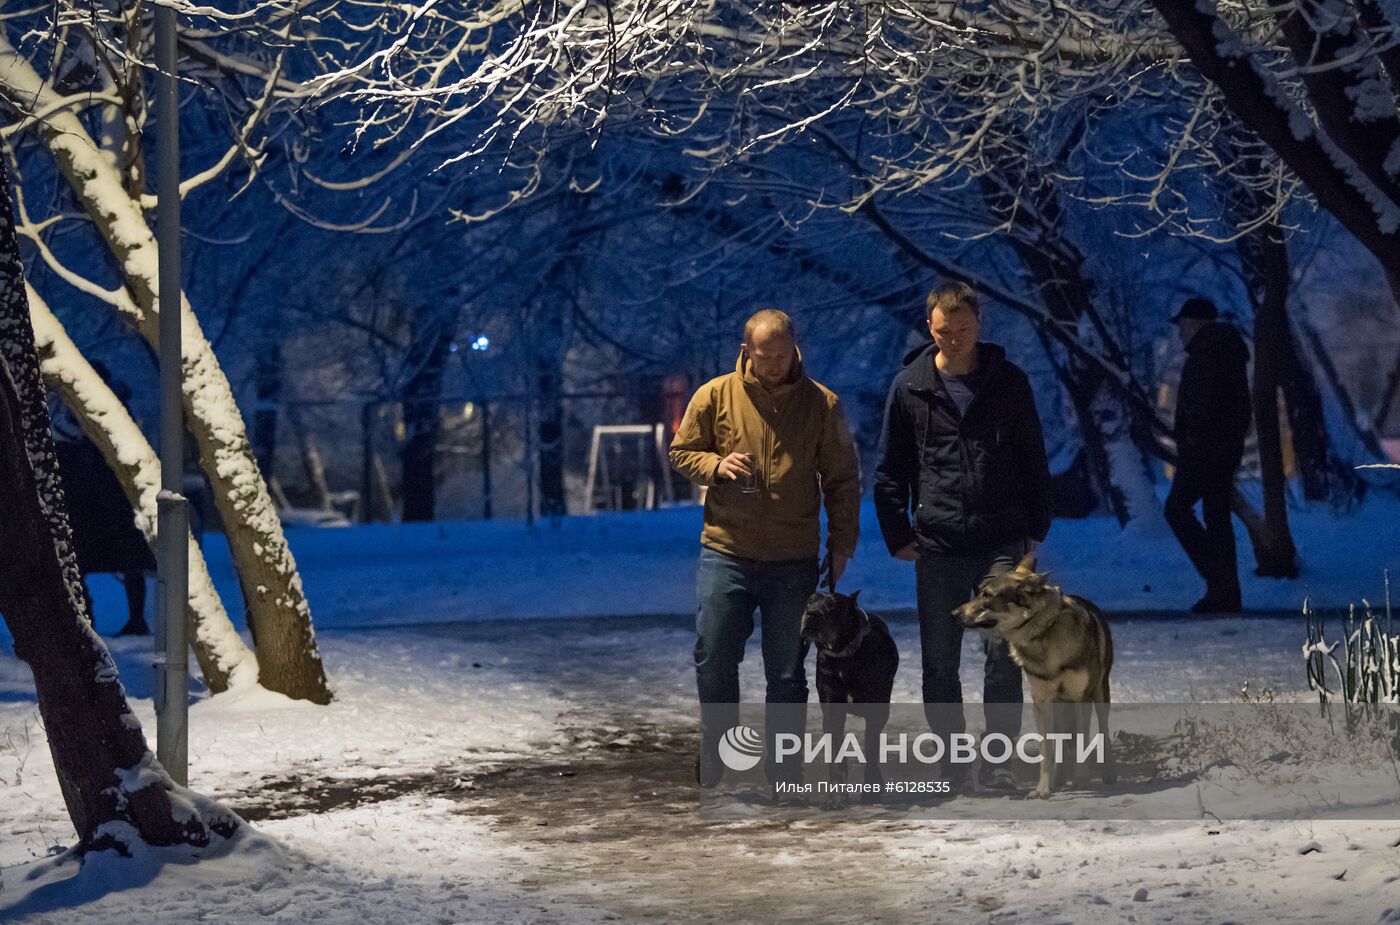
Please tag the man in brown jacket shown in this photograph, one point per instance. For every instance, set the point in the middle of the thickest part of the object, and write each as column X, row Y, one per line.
column 771, row 445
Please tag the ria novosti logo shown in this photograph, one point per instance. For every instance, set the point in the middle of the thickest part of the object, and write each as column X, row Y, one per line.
column 741, row 748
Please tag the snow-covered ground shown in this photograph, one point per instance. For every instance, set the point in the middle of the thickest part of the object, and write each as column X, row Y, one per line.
column 643, row 563
column 476, row 767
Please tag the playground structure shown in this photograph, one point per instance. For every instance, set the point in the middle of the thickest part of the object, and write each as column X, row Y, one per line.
column 602, row 491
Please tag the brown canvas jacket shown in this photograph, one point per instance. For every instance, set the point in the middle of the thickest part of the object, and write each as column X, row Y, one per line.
column 805, row 458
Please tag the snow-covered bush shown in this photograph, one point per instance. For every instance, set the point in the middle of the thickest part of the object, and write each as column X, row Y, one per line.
column 1367, row 668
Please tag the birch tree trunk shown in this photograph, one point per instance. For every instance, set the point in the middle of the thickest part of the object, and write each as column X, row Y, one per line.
column 223, row 658
column 111, row 783
column 278, row 614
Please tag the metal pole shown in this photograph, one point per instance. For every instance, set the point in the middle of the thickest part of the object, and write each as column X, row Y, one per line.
column 172, row 528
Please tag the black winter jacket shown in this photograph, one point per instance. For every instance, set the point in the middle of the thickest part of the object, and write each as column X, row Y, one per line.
column 972, row 483
column 1212, row 404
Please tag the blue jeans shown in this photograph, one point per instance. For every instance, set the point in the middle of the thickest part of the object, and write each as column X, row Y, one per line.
column 945, row 582
column 728, row 591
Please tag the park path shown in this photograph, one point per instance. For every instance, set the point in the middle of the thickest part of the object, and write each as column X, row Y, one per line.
column 610, row 820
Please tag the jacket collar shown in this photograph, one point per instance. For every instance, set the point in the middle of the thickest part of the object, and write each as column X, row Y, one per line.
column 744, row 368
column 920, row 360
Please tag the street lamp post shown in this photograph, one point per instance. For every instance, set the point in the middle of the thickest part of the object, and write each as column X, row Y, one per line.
column 172, row 528
column 479, row 344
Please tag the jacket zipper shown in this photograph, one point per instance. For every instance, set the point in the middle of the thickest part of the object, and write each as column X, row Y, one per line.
column 966, row 469
column 768, row 439
column 963, row 463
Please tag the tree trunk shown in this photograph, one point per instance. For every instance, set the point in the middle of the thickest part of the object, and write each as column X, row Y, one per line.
column 111, row 783
column 1078, row 491
column 312, row 467
column 1094, row 451
column 1265, row 260
column 368, row 414
column 1381, row 416
column 548, row 347
column 1056, row 269
column 486, row 505
column 1364, row 432
column 1322, row 473
column 278, row 613
column 553, row 502
column 422, row 417
column 223, row 658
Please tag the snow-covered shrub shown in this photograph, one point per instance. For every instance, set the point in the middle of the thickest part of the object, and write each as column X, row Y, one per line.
column 15, row 749
column 1367, row 668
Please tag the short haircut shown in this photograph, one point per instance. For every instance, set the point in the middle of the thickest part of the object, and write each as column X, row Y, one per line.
column 772, row 319
column 953, row 298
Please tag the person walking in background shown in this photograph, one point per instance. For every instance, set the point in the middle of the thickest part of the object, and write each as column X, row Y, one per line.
column 1211, row 423
column 962, row 451
column 771, row 445
column 105, row 535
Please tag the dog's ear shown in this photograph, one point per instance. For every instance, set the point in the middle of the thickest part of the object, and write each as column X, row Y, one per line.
column 1027, row 565
column 854, row 594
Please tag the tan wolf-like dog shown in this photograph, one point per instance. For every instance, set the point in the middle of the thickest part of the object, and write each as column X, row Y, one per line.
column 1063, row 644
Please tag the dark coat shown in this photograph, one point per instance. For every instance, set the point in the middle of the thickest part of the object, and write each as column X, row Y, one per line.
column 105, row 536
column 1212, row 404
column 972, row 483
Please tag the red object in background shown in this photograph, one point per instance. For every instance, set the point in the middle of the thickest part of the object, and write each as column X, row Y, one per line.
column 675, row 395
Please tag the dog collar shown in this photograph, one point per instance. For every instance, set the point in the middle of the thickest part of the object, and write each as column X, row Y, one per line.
column 855, row 643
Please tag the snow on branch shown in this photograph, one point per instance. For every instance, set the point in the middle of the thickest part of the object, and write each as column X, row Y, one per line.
column 944, row 92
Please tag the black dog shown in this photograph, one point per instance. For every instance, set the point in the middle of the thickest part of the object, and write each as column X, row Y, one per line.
column 856, row 663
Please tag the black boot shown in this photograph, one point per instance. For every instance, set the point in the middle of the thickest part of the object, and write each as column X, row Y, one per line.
column 1218, row 603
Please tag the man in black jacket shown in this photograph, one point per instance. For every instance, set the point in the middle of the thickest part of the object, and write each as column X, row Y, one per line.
column 1212, row 420
column 961, row 450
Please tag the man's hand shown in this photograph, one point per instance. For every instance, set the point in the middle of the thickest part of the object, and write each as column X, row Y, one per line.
column 909, row 553
column 734, row 467
column 833, row 567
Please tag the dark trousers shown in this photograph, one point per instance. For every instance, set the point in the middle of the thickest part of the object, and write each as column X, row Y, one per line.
column 728, row 590
column 945, row 582
column 1210, row 546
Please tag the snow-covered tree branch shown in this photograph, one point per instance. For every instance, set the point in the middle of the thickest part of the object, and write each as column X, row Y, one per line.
column 948, row 91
